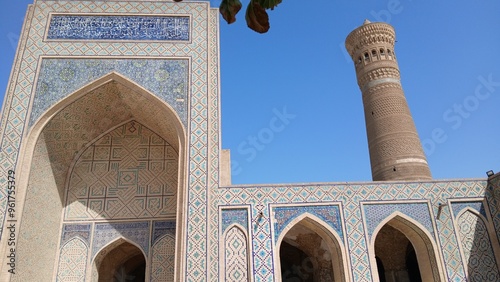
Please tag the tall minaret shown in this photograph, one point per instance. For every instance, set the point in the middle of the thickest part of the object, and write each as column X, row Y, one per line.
column 395, row 149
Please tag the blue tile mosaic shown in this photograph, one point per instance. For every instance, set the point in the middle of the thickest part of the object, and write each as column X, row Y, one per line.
column 376, row 213
column 73, row 230
column 104, row 233
column 231, row 216
column 107, row 27
column 329, row 214
column 161, row 228
column 58, row 78
column 476, row 205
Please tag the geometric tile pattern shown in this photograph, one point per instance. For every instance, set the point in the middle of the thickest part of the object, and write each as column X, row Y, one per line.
column 235, row 255
column 477, row 249
column 492, row 195
column 476, row 205
column 70, row 231
column 213, row 145
column 59, row 77
column 376, row 213
column 109, row 27
column 329, row 214
column 231, row 216
column 72, row 261
column 128, row 173
column 163, row 259
column 104, row 233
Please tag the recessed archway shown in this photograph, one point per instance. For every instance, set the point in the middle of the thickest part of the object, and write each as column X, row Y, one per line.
column 478, row 250
column 397, row 256
column 309, row 250
column 120, row 261
column 59, row 139
column 404, row 251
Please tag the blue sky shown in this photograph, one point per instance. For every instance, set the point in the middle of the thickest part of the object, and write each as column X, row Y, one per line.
column 291, row 108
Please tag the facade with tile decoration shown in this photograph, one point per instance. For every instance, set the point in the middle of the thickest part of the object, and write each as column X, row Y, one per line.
column 110, row 152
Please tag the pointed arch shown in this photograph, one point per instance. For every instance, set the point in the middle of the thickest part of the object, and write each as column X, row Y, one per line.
column 111, row 77
column 117, row 258
column 72, row 260
column 334, row 245
column 427, row 252
column 471, row 210
column 235, row 255
column 64, row 130
column 476, row 246
column 163, row 259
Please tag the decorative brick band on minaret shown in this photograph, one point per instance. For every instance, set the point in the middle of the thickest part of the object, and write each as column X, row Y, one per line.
column 395, row 149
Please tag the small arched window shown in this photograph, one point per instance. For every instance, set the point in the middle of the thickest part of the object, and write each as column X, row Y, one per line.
column 382, row 52
column 367, row 57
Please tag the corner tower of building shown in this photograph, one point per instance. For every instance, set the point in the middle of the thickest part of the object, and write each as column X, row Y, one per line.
column 394, row 145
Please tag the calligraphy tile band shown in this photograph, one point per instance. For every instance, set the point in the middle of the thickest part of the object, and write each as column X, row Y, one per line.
column 91, row 27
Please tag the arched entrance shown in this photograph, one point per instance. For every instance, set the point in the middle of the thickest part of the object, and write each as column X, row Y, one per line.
column 309, row 251
column 402, row 251
column 123, row 262
column 397, row 256
column 111, row 151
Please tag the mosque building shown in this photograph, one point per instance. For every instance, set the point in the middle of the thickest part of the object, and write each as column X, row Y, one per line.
column 112, row 167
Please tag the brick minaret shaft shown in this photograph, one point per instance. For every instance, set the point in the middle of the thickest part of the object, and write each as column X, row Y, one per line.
column 395, row 149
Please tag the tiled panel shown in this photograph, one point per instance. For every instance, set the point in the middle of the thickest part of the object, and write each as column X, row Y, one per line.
column 168, row 79
column 329, row 214
column 72, row 230
column 72, row 261
column 128, row 173
column 235, row 255
column 137, row 232
column 477, row 249
column 163, row 259
column 107, row 27
column 475, row 205
column 375, row 213
column 231, row 216
column 161, row 228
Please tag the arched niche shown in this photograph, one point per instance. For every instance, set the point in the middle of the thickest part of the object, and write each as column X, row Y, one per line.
column 163, row 259
column 72, row 260
column 235, row 254
column 308, row 249
column 402, row 245
column 477, row 248
column 52, row 149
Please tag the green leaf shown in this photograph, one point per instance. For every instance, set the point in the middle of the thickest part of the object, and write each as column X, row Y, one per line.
column 269, row 4
column 229, row 9
column 257, row 18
